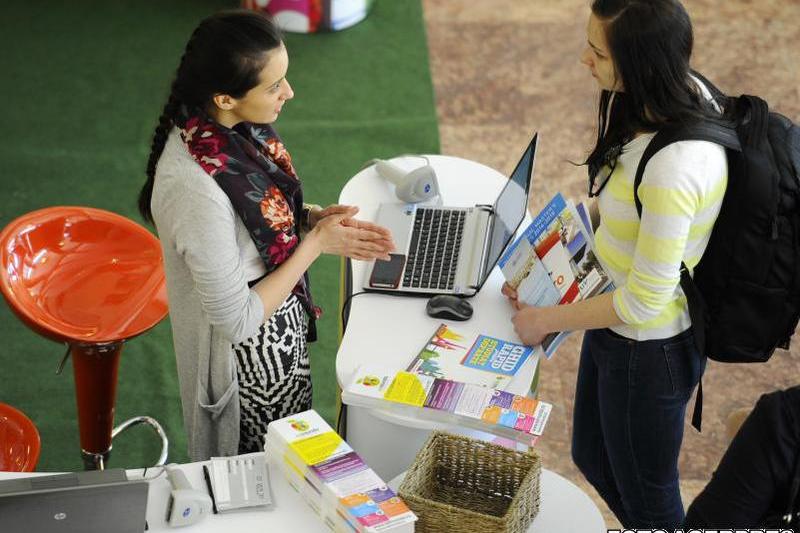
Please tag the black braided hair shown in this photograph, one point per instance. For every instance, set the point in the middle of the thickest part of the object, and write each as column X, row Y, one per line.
column 224, row 55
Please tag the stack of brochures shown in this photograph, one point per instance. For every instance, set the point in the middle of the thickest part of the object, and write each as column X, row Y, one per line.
column 554, row 263
column 346, row 493
column 502, row 413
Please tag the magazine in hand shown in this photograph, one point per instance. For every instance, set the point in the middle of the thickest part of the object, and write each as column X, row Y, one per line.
column 553, row 262
column 482, row 360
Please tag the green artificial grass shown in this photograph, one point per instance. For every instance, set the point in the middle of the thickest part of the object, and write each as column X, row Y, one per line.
column 83, row 86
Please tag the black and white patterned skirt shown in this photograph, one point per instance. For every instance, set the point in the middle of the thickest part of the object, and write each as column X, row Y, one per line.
column 274, row 373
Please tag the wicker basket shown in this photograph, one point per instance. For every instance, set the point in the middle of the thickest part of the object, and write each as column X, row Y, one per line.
column 461, row 484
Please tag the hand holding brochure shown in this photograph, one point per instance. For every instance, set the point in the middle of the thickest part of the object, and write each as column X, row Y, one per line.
column 553, row 262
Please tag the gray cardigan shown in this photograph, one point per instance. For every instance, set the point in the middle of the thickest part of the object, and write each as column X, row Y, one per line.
column 209, row 258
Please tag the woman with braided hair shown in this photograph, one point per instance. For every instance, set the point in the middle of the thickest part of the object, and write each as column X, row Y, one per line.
column 237, row 238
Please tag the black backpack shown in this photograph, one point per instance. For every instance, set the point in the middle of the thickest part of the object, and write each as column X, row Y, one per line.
column 744, row 296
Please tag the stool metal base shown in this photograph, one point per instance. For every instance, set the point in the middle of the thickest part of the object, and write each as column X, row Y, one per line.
column 98, row 461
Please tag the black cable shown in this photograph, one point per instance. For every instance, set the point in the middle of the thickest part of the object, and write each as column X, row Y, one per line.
column 341, row 420
column 346, row 309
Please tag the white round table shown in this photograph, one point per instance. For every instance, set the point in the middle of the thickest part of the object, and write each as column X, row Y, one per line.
column 563, row 507
column 289, row 512
column 390, row 330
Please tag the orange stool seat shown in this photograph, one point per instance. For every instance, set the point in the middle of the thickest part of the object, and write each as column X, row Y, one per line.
column 19, row 441
column 91, row 279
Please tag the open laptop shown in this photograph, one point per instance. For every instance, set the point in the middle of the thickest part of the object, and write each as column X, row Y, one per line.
column 97, row 501
column 451, row 250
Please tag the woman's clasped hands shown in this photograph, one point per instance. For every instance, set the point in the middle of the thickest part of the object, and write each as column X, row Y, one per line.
column 336, row 232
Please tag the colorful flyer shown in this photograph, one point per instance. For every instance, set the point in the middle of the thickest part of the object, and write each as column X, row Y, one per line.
column 356, row 482
column 474, row 400
column 540, row 418
column 496, row 355
column 408, row 388
column 339, row 467
column 502, row 399
column 319, row 448
column 444, row 395
column 453, row 355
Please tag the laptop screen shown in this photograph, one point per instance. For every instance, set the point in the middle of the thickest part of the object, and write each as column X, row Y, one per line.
column 510, row 207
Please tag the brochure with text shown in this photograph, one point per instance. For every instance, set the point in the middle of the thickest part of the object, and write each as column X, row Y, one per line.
column 520, row 418
column 553, row 262
column 343, row 490
column 480, row 360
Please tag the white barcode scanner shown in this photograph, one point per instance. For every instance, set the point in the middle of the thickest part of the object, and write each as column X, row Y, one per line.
column 418, row 185
column 187, row 505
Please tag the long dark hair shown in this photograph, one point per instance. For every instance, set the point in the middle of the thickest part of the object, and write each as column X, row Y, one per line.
column 224, row 55
column 651, row 44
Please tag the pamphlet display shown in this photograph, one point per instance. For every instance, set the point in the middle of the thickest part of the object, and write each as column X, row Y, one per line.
column 346, row 493
column 516, row 417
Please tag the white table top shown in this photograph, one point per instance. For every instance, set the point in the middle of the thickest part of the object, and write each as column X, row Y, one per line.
column 563, row 507
column 289, row 512
column 390, row 330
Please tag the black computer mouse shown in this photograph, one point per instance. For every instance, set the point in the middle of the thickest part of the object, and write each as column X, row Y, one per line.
column 449, row 307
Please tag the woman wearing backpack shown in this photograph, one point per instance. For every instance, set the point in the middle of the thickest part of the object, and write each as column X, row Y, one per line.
column 639, row 364
column 237, row 238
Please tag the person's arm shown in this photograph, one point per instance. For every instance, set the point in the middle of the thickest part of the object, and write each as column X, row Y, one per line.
column 532, row 324
column 670, row 201
column 379, row 235
column 334, row 234
column 202, row 226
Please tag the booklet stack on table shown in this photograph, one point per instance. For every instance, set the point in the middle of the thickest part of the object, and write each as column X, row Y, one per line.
column 502, row 413
column 346, row 493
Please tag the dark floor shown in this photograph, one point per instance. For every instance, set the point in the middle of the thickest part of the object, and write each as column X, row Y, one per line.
column 504, row 68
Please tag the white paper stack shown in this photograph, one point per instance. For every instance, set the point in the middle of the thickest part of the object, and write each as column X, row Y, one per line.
column 239, row 481
column 347, row 494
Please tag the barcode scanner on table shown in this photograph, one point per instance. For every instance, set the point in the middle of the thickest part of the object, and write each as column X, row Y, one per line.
column 413, row 186
column 187, row 505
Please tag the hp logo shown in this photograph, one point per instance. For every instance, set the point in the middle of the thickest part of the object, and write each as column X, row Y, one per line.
column 60, row 516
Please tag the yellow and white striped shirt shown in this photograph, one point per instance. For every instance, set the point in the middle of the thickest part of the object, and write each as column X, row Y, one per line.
column 681, row 194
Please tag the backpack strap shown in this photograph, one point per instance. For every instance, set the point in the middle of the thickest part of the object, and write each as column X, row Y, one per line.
column 718, row 96
column 724, row 136
column 716, row 133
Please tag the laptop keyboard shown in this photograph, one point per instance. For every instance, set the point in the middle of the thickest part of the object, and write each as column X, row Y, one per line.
column 433, row 252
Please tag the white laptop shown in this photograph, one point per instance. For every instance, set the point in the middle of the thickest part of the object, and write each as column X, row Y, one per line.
column 97, row 501
column 451, row 250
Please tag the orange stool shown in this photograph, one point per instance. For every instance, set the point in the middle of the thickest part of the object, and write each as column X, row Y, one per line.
column 91, row 279
column 19, row 441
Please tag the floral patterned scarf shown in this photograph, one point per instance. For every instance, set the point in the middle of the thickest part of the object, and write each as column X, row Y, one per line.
column 254, row 169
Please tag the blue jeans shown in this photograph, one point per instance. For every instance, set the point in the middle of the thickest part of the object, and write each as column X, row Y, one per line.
column 630, row 403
